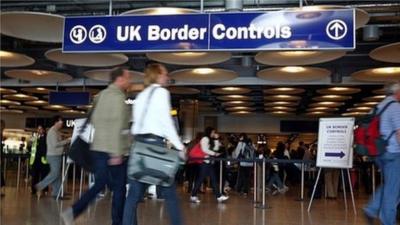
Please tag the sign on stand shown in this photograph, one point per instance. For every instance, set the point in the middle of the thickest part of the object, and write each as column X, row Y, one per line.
column 335, row 143
column 243, row 31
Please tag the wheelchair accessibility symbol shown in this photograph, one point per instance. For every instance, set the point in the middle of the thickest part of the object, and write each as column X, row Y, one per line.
column 97, row 34
column 336, row 29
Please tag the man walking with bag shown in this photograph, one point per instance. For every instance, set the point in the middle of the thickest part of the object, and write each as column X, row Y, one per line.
column 387, row 197
column 110, row 119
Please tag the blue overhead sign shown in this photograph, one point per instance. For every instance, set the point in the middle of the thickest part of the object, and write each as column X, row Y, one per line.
column 280, row 30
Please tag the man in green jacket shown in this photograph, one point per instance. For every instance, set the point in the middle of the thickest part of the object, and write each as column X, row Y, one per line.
column 110, row 119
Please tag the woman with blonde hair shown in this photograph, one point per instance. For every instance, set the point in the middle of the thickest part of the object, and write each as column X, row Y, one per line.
column 152, row 119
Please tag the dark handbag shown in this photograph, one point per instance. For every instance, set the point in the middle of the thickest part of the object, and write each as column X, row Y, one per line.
column 150, row 160
column 79, row 150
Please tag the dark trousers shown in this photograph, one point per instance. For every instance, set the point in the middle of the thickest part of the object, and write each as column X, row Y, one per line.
column 114, row 177
column 38, row 172
column 135, row 195
column 243, row 182
column 192, row 172
column 206, row 170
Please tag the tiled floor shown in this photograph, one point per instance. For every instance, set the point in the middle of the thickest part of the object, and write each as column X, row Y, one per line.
column 20, row 208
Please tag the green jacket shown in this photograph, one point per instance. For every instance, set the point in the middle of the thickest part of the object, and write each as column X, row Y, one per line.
column 110, row 119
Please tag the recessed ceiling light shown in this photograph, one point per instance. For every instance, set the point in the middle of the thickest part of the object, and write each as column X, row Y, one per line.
column 366, row 104
column 189, row 54
column 293, row 69
column 5, row 54
column 354, row 114
column 203, row 70
column 387, row 70
column 297, row 53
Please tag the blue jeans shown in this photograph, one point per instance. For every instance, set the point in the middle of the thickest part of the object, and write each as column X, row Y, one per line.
column 114, row 177
column 387, row 197
column 135, row 194
column 274, row 179
column 54, row 176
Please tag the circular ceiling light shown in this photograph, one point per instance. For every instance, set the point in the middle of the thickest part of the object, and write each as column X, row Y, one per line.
column 237, row 103
column 280, row 108
column 282, row 98
column 190, row 58
column 85, row 107
column 243, row 112
column 310, row 12
column 231, row 90
column 318, row 113
column 284, row 90
column 293, row 74
column 281, row 113
column 104, row 75
column 203, row 75
column 12, row 59
column 20, row 97
column 381, row 91
column 56, row 107
column 183, row 90
column 73, row 112
column 384, row 74
column 38, row 75
column 332, row 98
column 37, row 90
column 11, row 111
column 338, row 90
column 360, row 108
column 354, row 114
column 387, row 53
column 375, row 98
column 86, row 59
column 160, row 11
column 326, row 104
column 280, row 103
column 7, row 91
column 32, row 26
column 92, row 91
column 234, row 98
column 324, row 109
column 37, row 103
column 240, row 108
column 366, row 104
column 293, row 58
column 5, row 102
column 24, row 107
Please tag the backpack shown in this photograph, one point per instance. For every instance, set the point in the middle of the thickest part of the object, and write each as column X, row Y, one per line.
column 247, row 152
column 367, row 136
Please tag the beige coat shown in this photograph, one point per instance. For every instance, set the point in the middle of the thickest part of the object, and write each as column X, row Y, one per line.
column 110, row 119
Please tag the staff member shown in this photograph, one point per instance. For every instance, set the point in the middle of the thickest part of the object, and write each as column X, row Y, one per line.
column 38, row 161
column 158, row 123
column 387, row 197
column 55, row 148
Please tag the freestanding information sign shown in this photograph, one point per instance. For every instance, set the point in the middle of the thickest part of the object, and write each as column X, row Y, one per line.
column 335, row 150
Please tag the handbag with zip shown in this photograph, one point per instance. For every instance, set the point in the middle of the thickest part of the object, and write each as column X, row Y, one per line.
column 150, row 160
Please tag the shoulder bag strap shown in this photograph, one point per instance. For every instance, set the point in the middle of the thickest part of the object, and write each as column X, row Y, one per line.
column 385, row 107
column 147, row 107
column 89, row 116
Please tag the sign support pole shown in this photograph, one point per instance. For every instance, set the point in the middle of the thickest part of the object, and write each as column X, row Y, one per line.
column 351, row 192
column 344, row 189
column 315, row 187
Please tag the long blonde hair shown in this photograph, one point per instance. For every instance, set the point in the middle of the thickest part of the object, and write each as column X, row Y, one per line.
column 151, row 73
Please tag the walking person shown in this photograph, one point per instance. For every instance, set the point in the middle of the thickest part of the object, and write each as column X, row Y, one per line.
column 244, row 150
column 55, row 149
column 2, row 173
column 110, row 119
column 387, row 197
column 38, row 161
column 209, row 145
column 153, row 121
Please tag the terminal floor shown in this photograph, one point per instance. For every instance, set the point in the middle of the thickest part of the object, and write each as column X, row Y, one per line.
column 21, row 208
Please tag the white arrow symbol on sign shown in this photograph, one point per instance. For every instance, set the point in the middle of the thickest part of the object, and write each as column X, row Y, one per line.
column 336, row 26
column 339, row 29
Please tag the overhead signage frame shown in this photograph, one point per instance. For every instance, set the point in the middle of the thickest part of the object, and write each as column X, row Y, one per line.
column 244, row 31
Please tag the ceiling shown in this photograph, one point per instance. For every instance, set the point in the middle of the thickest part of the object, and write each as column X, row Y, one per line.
column 385, row 15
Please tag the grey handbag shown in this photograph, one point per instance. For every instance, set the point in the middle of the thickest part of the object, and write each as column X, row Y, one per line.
column 150, row 160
